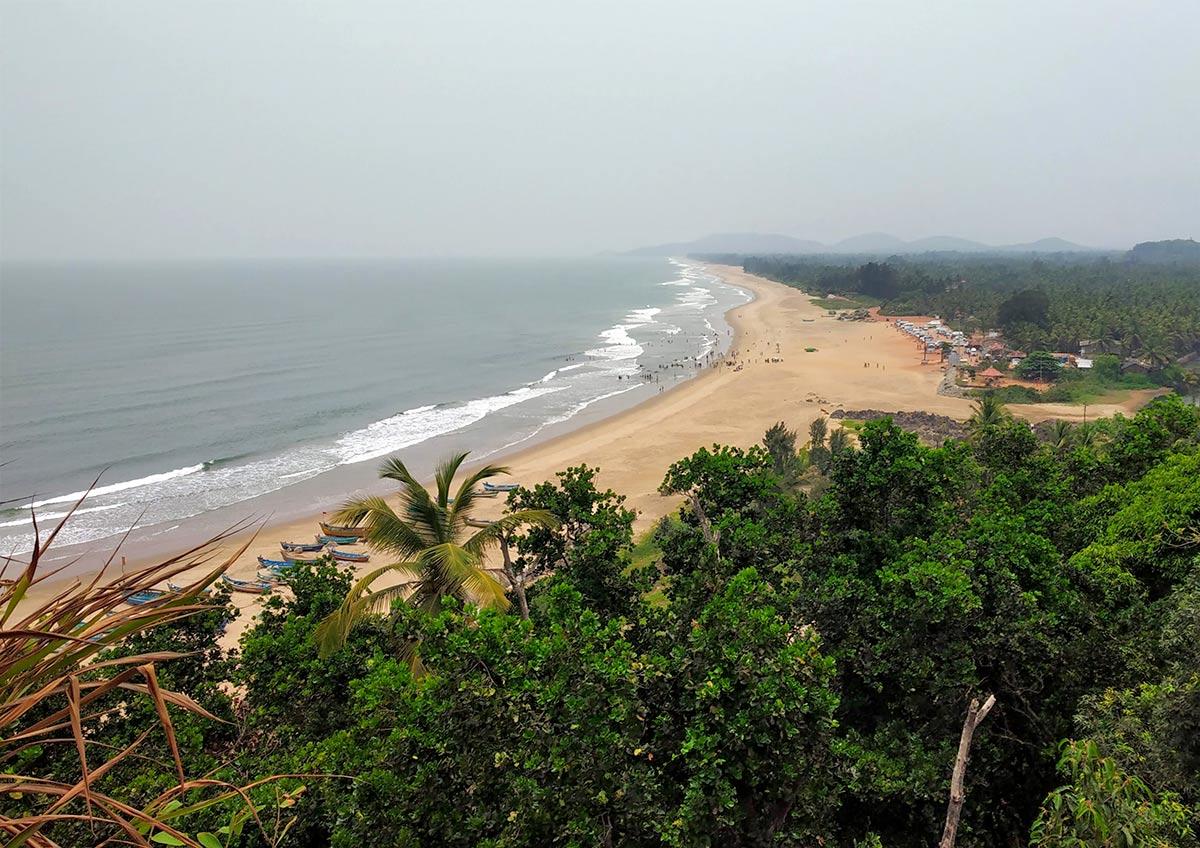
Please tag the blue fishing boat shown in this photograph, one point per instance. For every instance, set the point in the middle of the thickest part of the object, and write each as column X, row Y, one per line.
column 275, row 563
column 254, row 587
column 144, row 597
column 175, row 588
column 499, row 487
column 349, row 556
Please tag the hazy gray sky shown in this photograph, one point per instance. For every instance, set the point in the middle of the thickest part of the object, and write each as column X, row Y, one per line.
column 177, row 128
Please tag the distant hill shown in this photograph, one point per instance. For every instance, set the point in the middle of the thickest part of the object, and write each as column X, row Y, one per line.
column 733, row 243
column 1168, row 252
column 870, row 243
column 950, row 243
column 1046, row 245
column 881, row 244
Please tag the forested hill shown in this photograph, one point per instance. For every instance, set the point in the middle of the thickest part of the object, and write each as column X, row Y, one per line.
column 1182, row 251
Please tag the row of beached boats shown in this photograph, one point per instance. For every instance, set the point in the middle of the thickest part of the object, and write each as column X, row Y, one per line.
column 329, row 542
column 270, row 574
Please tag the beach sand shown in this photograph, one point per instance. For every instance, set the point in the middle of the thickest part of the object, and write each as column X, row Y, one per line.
column 853, row 365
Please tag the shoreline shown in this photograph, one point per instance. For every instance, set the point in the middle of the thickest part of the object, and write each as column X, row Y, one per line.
column 821, row 364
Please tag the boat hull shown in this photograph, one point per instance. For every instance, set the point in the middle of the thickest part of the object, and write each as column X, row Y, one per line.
column 305, row 558
column 253, row 587
column 343, row 532
column 301, row 548
column 275, row 563
column 145, row 596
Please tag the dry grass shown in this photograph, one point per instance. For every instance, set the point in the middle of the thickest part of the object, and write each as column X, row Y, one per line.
column 52, row 685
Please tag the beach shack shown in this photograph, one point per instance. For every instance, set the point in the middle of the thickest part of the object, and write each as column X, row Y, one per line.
column 990, row 376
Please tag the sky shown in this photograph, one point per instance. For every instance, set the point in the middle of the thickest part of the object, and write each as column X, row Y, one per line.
column 169, row 129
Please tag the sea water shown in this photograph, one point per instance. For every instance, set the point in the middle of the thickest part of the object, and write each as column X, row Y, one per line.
column 228, row 389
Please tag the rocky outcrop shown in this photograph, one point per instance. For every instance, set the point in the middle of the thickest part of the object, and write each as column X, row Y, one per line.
column 949, row 387
column 930, row 429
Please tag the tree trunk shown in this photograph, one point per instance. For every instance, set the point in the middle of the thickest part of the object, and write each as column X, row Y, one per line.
column 706, row 529
column 517, row 582
column 975, row 716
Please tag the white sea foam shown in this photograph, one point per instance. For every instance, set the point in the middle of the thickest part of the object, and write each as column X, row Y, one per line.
column 643, row 316
column 697, row 298
column 119, row 487
column 417, row 425
column 43, row 517
column 174, row 495
column 619, row 345
column 560, row 419
column 309, row 471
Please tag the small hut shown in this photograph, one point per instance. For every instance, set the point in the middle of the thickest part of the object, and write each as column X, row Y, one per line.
column 990, row 376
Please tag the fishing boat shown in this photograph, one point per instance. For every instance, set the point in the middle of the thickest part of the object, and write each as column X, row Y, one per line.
column 176, row 589
column 337, row 540
column 293, row 558
column 145, row 596
column 343, row 532
column 299, row 548
column 349, row 556
column 275, row 563
column 478, row 522
column 272, row 577
column 254, row 587
column 499, row 487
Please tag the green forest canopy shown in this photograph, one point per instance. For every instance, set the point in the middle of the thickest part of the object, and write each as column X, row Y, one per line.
column 790, row 667
column 1049, row 303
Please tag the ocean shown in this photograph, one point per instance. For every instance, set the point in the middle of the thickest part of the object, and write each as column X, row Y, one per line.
column 203, row 393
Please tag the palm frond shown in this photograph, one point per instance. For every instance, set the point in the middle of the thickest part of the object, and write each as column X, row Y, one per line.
column 47, row 644
column 444, row 475
column 333, row 631
column 394, row 469
column 485, row 537
column 451, row 569
column 468, row 492
column 416, row 505
column 385, row 530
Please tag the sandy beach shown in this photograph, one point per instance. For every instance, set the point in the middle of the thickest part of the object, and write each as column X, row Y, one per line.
column 851, row 365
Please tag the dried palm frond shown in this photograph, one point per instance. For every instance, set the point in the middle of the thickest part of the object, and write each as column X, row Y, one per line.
column 52, row 682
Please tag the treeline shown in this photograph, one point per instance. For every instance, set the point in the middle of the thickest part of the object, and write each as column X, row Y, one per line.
column 1142, row 310
column 788, row 662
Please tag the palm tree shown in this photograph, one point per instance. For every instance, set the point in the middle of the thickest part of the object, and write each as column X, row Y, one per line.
column 1157, row 355
column 1063, row 435
column 1191, row 382
column 989, row 411
column 440, row 553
